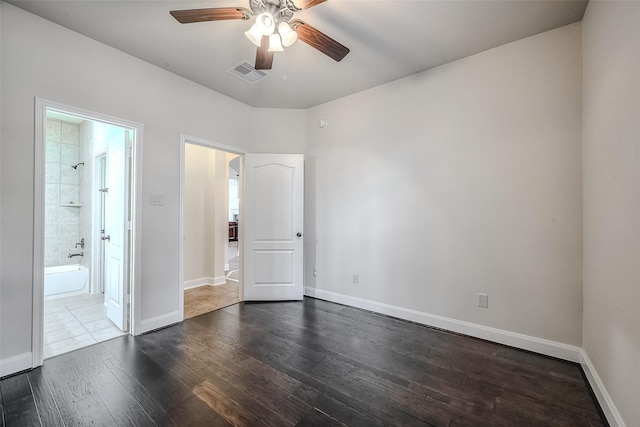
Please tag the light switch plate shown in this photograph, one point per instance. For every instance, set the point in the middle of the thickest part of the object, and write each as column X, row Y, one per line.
column 157, row 199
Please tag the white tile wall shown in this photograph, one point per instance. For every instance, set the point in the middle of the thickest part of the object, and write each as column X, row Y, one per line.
column 69, row 154
column 54, row 130
column 51, row 256
column 62, row 186
column 52, row 173
column 52, row 194
column 52, row 151
column 69, row 215
column 69, row 235
column 51, row 215
column 70, row 134
column 86, row 217
column 69, row 194
column 64, row 256
column 68, row 175
column 51, row 233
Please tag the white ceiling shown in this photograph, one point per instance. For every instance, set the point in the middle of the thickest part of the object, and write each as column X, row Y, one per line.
column 389, row 39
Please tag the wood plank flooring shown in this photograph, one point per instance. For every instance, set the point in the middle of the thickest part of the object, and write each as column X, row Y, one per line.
column 207, row 298
column 311, row 363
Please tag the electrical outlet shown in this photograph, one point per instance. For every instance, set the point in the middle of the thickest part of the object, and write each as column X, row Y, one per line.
column 355, row 279
column 483, row 300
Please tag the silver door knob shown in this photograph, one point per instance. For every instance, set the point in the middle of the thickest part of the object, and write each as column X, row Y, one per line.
column 299, row 234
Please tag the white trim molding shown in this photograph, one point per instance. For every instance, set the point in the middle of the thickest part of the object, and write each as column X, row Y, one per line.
column 218, row 281
column 205, row 281
column 161, row 321
column 135, row 274
column 37, row 318
column 513, row 339
column 182, row 284
column 15, row 364
column 606, row 403
column 196, row 283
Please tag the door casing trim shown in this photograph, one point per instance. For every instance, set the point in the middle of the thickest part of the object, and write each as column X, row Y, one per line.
column 187, row 139
column 41, row 107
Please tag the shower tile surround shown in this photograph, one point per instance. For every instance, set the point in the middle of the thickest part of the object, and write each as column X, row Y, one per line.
column 71, row 322
column 67, row 144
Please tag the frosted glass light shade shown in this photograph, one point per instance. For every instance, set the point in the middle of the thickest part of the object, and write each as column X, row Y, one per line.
column 287, row 35
column 274, row 43
column 254, row 35
column 265, row 23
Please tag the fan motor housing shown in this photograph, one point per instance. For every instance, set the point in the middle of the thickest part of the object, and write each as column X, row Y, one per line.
column 282, row 9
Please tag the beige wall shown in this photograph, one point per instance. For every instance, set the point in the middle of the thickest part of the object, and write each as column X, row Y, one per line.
column 462, row 179
column 204, row 211
column 611, row 133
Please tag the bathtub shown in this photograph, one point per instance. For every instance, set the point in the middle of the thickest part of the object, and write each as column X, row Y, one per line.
column 65, row 280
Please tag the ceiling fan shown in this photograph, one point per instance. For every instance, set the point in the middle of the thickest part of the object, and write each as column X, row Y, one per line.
column 274, row 27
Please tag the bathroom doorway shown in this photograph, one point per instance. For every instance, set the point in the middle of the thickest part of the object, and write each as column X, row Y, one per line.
column 210, row 223
column 87, row 216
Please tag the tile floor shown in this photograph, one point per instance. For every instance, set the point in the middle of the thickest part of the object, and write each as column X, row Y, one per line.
column 204, row 299
column 234, row 262
column 74, row 322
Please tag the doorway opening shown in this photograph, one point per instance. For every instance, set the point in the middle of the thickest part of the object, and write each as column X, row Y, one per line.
column 210, row 261
column 85, row 210
column 269, row 226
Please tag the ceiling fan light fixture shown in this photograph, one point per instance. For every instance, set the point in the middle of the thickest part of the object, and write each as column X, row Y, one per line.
column 287, row 35
column 273, row 27
column 275, row 44
column 266, row 23
column 254, row 35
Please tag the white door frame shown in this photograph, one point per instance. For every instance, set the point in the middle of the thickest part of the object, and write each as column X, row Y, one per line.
column 97, row 262
column 186, row 139
column 41, row 107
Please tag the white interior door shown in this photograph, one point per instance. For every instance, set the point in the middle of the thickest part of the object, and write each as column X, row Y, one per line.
column 273, row 219
column 115, row 231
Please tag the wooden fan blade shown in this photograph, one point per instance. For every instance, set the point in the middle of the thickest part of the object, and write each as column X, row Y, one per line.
column 264, row 58
column 306, row 4
column 211, row 14
column 319, row 40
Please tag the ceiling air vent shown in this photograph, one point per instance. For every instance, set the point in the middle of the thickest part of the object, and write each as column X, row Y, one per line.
column 245, row 71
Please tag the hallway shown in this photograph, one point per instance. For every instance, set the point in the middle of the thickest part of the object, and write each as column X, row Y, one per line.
column 204, row 299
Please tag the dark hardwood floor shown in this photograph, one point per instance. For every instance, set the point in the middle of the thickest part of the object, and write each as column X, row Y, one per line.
column 311, row 364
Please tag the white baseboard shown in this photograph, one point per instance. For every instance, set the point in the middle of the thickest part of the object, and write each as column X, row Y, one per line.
column 513, row 339
column 204, row 281
column 157, row 322
column 196, row 283
column 606, row 403
column 17, row 363
column 220, row 280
